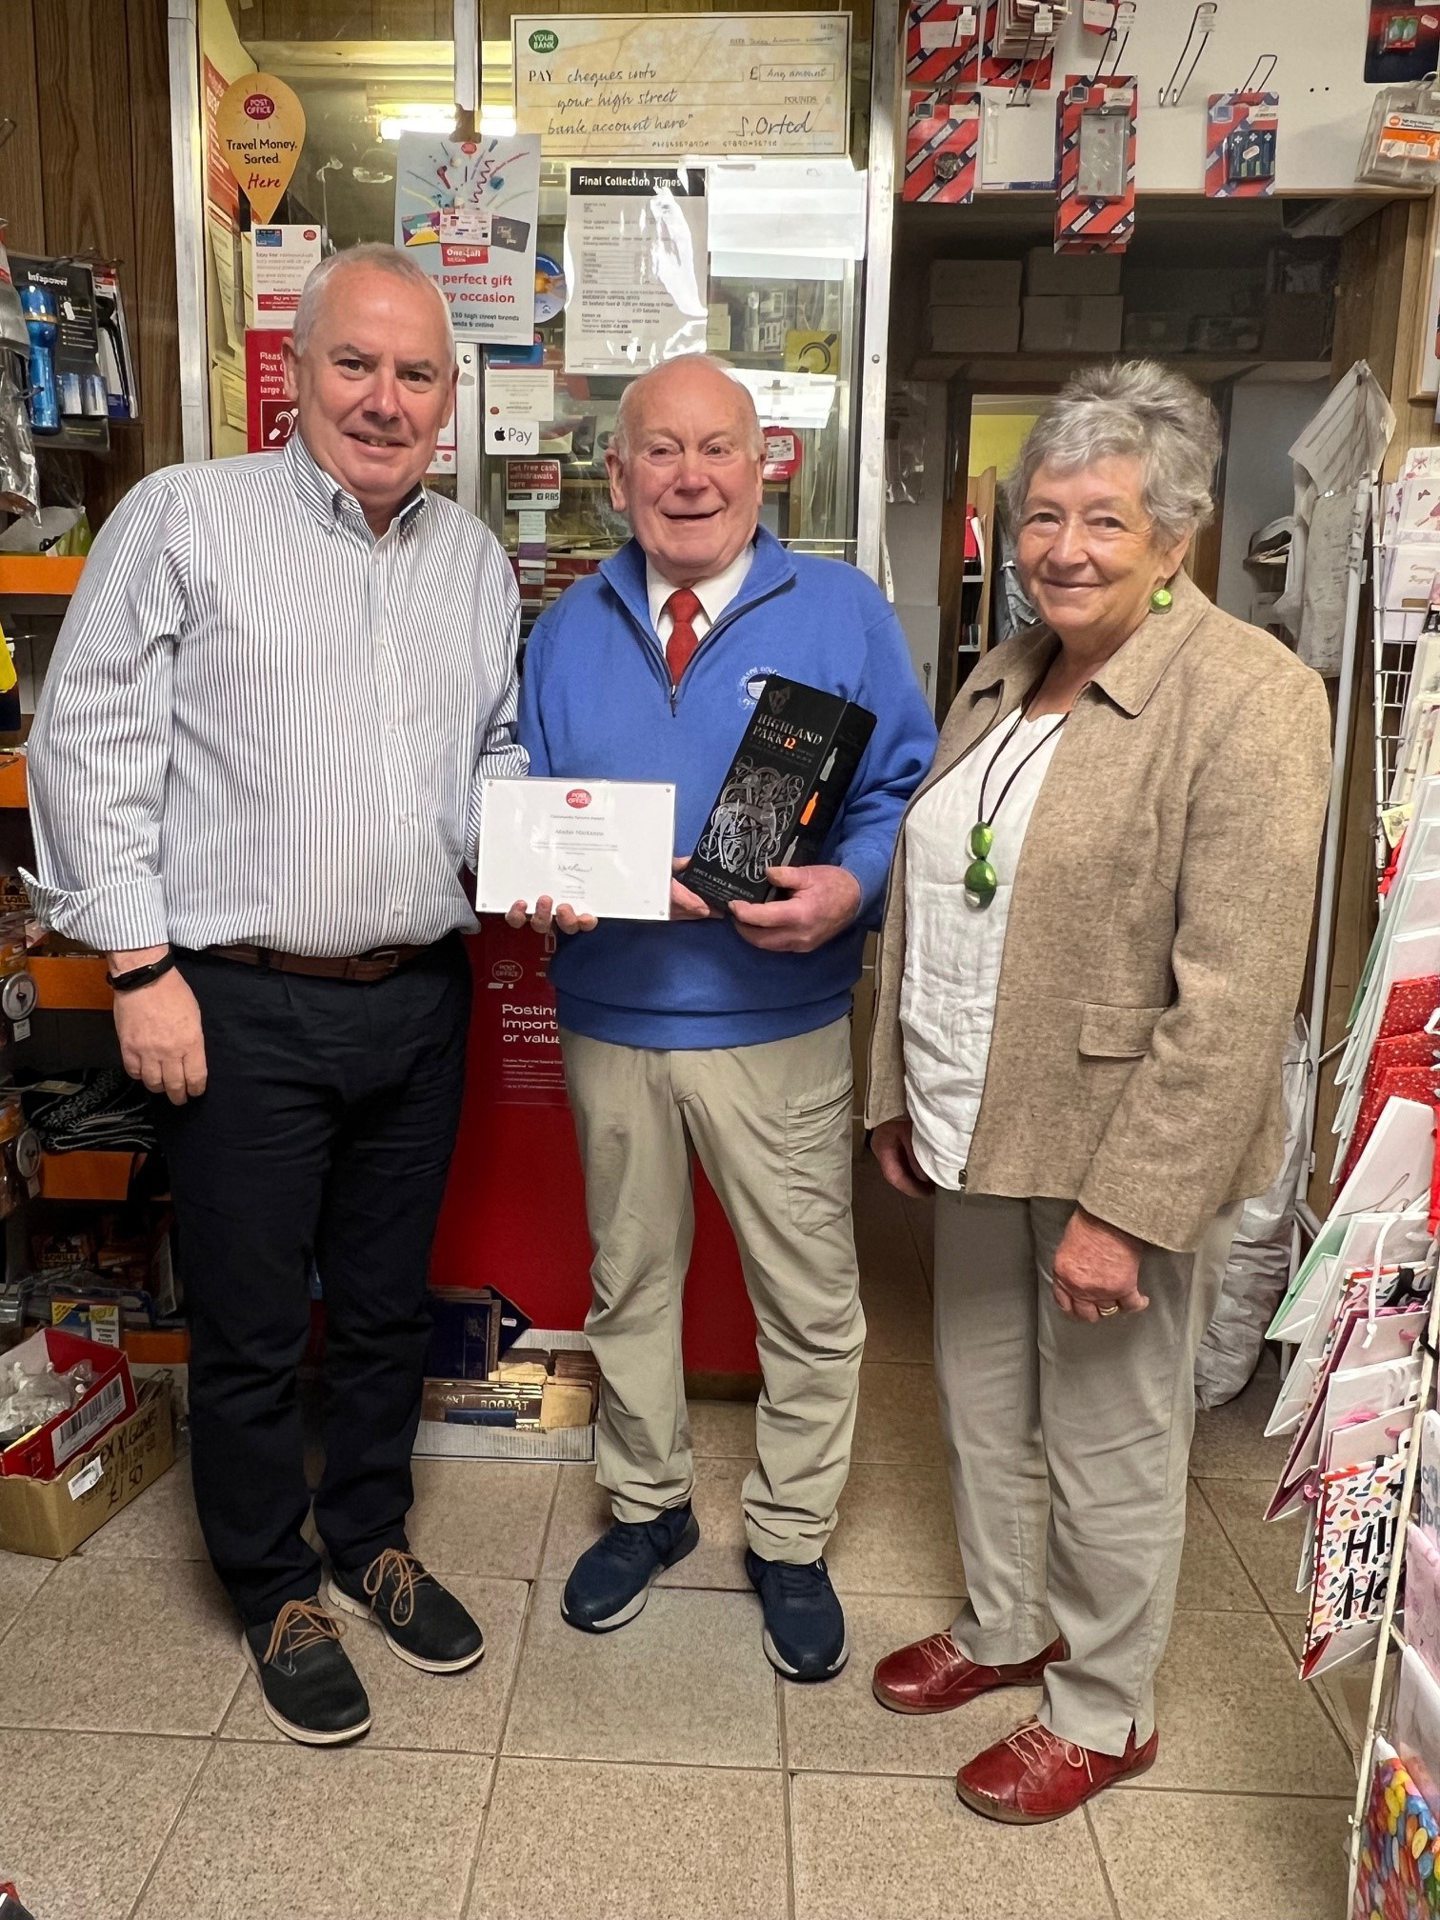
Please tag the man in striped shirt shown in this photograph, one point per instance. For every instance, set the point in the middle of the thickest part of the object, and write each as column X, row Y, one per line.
column 255, row 779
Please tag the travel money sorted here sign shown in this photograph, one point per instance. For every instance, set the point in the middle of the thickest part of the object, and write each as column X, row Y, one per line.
column 648, row 84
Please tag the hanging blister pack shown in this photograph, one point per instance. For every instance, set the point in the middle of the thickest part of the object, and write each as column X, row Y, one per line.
column 940, row 38
column 1241, row 137
column 1402, row 141
column 1095, row 210
column 942, row 148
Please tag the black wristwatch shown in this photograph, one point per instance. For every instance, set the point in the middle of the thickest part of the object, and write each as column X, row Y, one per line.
column 141, row 976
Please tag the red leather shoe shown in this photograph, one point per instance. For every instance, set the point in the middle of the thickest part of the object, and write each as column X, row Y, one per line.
column 932, row 1676
column 1035, row 1776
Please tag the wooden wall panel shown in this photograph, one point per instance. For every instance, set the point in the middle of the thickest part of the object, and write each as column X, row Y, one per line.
column 22, row 202
column 148, row 279
column 82, row 63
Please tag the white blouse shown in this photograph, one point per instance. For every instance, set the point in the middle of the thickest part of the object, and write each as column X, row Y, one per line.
column 953, row 948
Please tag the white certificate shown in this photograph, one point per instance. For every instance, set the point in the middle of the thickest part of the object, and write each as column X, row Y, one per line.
column 602, row 846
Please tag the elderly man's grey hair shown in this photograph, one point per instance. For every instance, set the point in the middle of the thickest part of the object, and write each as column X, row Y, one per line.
column 625, row 413
column 1133, row 408
column 372, row 253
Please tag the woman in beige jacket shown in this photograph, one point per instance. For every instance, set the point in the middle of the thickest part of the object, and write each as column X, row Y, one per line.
column 1077, row 1046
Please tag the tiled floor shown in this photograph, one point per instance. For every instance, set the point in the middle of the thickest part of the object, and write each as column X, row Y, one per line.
column 663, row 1773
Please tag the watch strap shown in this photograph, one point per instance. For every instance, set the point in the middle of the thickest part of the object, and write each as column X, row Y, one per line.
column 141, row 976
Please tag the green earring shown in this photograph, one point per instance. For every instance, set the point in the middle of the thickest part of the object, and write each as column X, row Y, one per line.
column 1161, row 600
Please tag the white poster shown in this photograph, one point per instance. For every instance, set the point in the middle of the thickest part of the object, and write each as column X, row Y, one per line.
column 281, row 259
column 635, row 261
column 684, row 83
column 466, row 211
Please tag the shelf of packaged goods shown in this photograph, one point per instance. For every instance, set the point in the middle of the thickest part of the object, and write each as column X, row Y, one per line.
column 70, row 982
column 36, row 583
column 86, row 1175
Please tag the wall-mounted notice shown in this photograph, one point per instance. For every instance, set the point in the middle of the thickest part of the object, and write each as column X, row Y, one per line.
column 635, row 257
column 651, row 83
column 466, row 211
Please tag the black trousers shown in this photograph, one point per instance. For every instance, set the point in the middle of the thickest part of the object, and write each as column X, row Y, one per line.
column 325, row 1131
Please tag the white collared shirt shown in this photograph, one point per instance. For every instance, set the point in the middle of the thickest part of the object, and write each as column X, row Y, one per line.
column 953, row 948
column 714, row 594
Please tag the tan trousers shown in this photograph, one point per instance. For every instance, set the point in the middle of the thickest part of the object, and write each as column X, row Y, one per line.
column 771, row 1127
column 1068, row 1451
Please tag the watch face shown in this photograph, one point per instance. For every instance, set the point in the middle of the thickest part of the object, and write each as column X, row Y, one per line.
column 18, row 996
column 27, row 1154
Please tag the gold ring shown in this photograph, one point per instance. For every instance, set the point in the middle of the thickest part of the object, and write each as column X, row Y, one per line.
column 1105, row 1312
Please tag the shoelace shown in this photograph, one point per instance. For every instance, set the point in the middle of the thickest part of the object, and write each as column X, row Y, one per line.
column 940, row 1651
column 406, row 1572
column 1033, row 1743
column 298, row 1625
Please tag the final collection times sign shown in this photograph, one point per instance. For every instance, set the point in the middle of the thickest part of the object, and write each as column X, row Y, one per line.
column 647, row 84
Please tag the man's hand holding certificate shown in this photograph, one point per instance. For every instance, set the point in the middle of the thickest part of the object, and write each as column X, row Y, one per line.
column 600, row 848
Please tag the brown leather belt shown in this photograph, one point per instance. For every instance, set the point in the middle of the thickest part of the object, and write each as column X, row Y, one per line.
column 365, row 968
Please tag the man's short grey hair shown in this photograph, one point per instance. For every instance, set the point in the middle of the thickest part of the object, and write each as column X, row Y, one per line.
column 620, row 434
column 1136, row 409
column 372, row 253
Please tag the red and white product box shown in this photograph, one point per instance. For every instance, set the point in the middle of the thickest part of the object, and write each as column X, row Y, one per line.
column 1095, row 210
column 942, row 148
column 40, row 1454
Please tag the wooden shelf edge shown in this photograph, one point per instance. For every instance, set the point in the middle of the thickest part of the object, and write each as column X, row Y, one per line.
column 71, row 982
column 36, row 576
column 90, row 1174
column 14, row 784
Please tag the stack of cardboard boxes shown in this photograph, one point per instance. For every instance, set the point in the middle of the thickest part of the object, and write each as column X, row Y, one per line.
column 1071, row 303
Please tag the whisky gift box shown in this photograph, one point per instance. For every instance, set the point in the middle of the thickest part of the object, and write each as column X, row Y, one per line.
column 785, row 786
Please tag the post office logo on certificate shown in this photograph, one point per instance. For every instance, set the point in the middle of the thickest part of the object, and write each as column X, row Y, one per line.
column 601, row 846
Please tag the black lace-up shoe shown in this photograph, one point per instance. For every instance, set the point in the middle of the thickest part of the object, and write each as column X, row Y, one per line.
column 310, row 1690
column 804, row 1623
column 422, row 1622
column 610, row 1582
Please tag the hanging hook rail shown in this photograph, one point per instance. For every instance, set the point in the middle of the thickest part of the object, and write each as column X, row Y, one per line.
column 1117, row 38
column 1201, row 27
column 1258, row 81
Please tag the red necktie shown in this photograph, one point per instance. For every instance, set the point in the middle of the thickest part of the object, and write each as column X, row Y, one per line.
column 682, row 606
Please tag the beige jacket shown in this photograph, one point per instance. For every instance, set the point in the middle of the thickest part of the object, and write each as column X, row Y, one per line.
column 1158, row 927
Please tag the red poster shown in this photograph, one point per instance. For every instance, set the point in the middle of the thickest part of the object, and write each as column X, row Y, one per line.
column 516, row 1016
column 269, row 416
column 222, row 189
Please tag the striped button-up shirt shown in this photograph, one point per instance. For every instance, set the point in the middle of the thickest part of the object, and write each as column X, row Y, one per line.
column 264, row 724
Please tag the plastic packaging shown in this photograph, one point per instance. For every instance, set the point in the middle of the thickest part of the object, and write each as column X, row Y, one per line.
column 1258, row 1269
column 1402, row 141
column 28, row 1400
column 19, row 470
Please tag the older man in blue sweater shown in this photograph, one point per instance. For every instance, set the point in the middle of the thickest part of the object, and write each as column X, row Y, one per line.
column 725, row 1034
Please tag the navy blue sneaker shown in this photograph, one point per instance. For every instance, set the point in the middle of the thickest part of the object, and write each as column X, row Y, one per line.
column 804, row 1623
column 610, row 1582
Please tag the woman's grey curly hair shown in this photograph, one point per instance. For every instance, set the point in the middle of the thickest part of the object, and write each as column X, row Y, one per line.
column 1139, row 409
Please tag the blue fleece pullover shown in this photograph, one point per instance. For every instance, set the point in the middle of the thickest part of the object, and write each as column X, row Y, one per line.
column 595, row 704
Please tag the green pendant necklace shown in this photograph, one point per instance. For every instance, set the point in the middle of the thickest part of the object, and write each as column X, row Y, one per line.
column 981, row 879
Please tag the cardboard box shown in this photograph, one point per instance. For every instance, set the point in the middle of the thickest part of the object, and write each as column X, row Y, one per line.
column 1052, row 275
column 974, row 283
column 40, row 1454
column 1086, row 325
column 1163, row 332
column 53, row 1517
column 974, row 329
